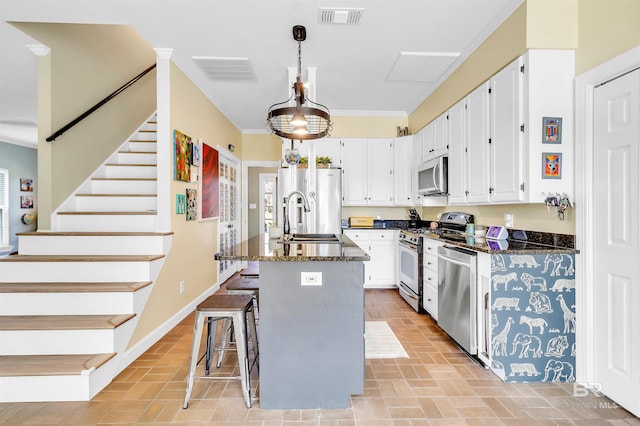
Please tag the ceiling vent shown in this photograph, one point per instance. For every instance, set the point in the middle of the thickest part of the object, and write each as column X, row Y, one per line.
column 350, row 16
column 226, row 69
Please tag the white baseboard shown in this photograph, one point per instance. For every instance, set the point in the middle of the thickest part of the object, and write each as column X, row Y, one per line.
column 152, row 338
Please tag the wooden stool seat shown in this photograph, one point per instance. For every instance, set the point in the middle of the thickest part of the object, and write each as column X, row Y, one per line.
column 244, row 284
column 239, row 309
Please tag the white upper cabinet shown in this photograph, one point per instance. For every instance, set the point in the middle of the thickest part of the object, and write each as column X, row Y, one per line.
column 457, row 182
column 415, row 163
column 506, row 137
column 435, row 138
column 403, row 171
column 477, row 140
column 367, row 172
column 504, row 149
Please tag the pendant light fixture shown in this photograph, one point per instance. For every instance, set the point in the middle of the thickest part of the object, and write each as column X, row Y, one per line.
column 306, row 119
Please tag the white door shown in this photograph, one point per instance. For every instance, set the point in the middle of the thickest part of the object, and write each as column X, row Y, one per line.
column 616, row 239
column 229, row 222
column 268, row 189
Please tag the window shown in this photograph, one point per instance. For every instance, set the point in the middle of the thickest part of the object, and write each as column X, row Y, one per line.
column 4, row 208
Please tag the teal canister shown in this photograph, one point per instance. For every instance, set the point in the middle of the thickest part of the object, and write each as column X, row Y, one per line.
column 471, row 229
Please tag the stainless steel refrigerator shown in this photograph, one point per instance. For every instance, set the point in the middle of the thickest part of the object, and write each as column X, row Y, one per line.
column 322, row 192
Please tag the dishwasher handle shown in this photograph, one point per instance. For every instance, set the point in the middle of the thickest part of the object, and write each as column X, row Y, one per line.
column 454, row 261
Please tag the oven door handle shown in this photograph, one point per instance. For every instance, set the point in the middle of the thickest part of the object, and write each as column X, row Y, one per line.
column 411, row 247
column 409, row 295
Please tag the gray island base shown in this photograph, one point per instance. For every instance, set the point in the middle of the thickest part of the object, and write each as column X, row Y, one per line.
column 311, row 326
column 311, row 336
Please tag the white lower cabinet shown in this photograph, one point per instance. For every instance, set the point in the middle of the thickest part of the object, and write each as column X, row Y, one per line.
column 430, row 276
column 382, row 247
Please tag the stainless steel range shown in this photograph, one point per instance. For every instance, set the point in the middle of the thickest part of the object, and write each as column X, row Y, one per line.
column 411, row 259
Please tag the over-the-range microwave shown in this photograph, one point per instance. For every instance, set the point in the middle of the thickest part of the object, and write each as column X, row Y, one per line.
column 432, row 177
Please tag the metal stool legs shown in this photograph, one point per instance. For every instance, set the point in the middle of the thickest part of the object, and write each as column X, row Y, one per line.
column 239, row 318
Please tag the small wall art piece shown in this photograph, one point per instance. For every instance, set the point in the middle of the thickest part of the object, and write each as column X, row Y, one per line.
column 26, row 185
column 551, row 165
column 181, row 203
column 26, row 201
column 192, row 204
column 551, row 130
column 196, row 155
column 182, row 156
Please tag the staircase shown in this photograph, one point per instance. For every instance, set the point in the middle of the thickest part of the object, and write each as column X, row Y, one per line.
column 71, row 298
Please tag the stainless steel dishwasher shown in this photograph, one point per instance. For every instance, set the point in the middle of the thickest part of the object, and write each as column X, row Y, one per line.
column 457, row 295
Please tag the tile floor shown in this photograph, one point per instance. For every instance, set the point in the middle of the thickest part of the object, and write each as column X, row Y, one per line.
column 436, row 385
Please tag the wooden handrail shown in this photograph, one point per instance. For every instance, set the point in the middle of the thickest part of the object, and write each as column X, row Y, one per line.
column 99, row 104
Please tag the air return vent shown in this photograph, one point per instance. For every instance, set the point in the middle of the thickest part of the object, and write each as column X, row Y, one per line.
column 225, row 68
column 340, row 15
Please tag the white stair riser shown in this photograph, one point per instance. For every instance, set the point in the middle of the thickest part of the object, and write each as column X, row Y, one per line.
column 137, row 158
column 116, row 203
column 75, row 271
column 150, row 135
column 124, row 187
column 91, row 244
column 80, row 387
column 130, row 171
column 106, row 223
column 138, row 146
column 61, row 342
column 83, row 303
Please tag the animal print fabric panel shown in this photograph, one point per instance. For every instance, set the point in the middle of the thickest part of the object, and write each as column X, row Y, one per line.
column 532, row 317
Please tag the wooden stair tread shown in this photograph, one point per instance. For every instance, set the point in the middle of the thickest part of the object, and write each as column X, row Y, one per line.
column 112, row 213
column 136, row 152
column 116, row 195
column 127, row 179
column 62, row 322
column 131, row 165
column 70, row 287
column 93, row 234
column 81, row 258
column 51, row 365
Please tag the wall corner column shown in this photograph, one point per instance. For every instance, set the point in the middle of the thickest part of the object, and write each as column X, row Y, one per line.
column 164, row 172
column 44, row 167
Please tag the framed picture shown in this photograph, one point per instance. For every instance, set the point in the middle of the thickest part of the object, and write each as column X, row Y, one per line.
column 181, row 203
column 196, row 155
column 209, row 188
column 182, row 156
column 192, row 204
column 551, row 165
column 26, row 201
column 26, row 185
column 552, row 130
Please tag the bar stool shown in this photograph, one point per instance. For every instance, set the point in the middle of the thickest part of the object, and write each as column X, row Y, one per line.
column 249, row 286
column 239, row 308
column 253, row 271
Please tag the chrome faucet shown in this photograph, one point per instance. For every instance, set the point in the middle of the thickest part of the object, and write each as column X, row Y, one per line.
column 305, row 203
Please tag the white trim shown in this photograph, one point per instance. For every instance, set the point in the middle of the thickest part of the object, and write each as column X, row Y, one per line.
column 152, row 338
column 585, row 304
column 262, row 178
column 164, row 139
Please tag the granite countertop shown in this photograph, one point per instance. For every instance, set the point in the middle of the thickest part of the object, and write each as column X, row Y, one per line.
column 509, row 246
column 262, row 248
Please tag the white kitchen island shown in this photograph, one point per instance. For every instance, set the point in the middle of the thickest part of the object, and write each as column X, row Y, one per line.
column 311, row 330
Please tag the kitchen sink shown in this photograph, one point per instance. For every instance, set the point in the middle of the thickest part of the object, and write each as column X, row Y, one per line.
column 311, row 238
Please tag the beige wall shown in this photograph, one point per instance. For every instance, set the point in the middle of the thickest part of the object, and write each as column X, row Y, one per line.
column 194, row 242
column 607, row 28
column 87, row 63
